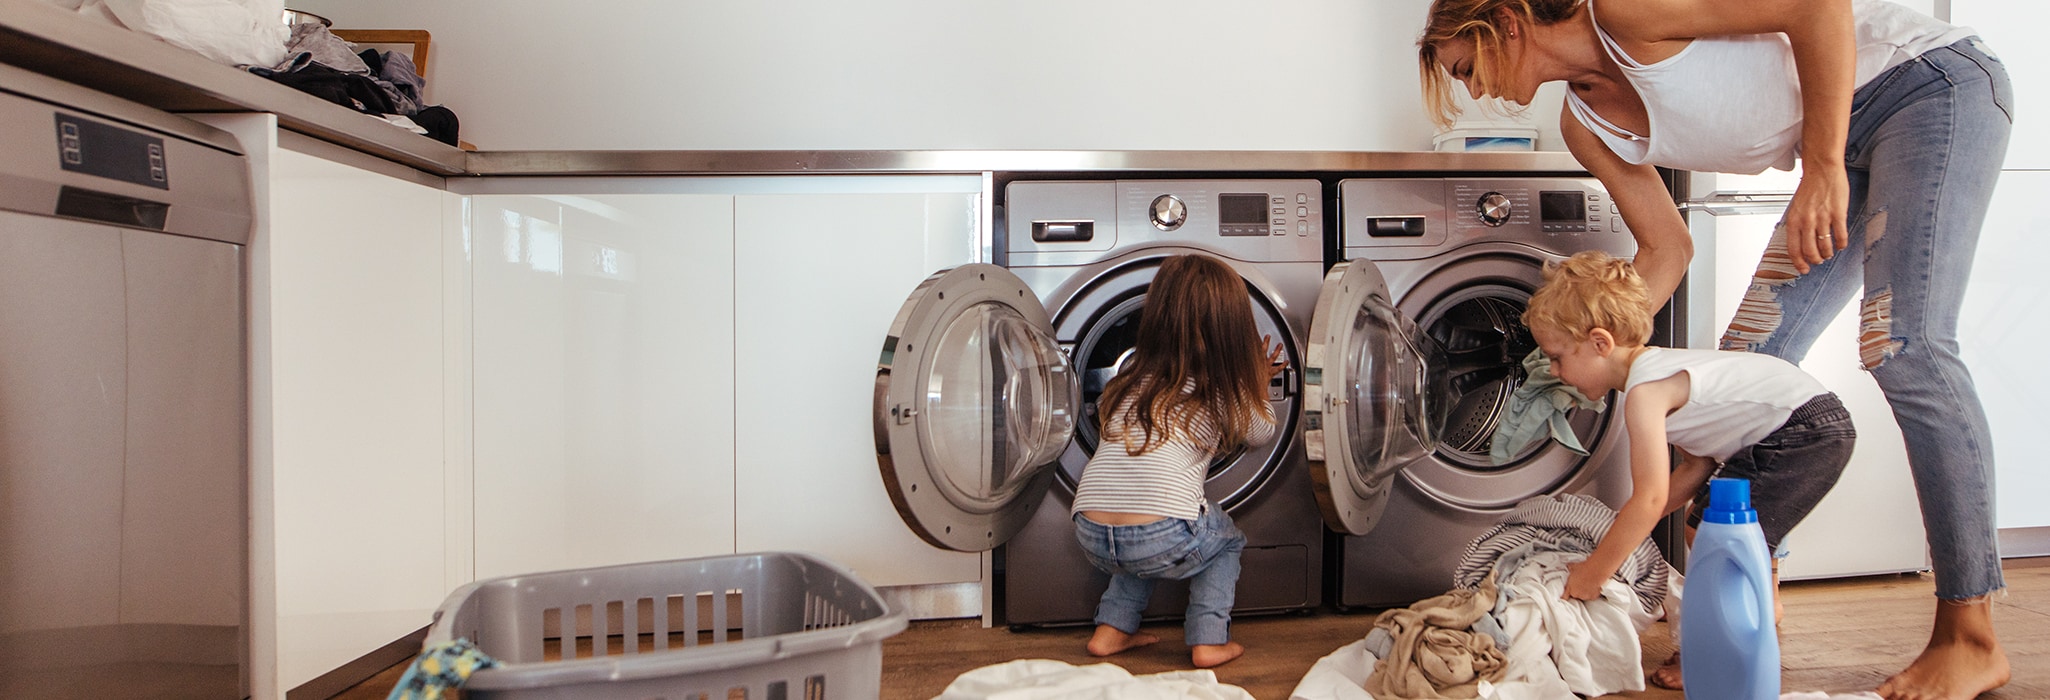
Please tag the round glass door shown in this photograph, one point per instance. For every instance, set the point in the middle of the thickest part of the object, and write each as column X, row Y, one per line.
column 1372, row 384
column 974, row 404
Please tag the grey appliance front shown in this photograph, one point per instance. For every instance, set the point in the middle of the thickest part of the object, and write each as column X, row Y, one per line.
column 1084, row 253
column 1461, row 257
column 123, row 419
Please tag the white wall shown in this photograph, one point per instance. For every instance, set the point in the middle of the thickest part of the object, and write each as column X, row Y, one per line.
column 919, row 74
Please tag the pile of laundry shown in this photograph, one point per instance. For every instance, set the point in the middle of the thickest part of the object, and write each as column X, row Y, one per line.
column 1505, row 630
column 381, row 84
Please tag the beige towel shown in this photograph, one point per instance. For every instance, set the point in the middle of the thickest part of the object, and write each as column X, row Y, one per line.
column 1436, row 652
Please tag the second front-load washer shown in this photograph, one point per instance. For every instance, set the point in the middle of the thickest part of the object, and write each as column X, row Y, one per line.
column 1461, row 257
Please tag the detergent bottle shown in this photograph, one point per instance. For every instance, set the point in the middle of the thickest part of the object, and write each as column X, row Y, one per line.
column 1729, row 648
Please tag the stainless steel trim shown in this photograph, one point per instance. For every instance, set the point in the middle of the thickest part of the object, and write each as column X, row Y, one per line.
column 1731, row 203
column 507, row 163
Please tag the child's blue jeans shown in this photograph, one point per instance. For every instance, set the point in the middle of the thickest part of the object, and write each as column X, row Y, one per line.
column 1205, row 551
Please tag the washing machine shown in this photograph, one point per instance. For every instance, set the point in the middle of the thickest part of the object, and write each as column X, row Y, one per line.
column 986, row 393
column 1460, row 258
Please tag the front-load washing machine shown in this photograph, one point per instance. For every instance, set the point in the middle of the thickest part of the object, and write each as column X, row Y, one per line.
column 1461, row 257
column 986, row 392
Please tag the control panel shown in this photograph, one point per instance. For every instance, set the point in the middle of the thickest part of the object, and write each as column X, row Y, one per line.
column 1256, row 218
column 1423, row 213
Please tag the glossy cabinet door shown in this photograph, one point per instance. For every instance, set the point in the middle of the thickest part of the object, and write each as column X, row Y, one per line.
column 819, row 276
column 603, row 336
column 348, row 355
column 2002, row 331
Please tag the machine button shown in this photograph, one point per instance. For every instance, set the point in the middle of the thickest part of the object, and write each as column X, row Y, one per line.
column 1615, row 224
column 1302, row 211
column 1301, row 198
column 1494, row 209
column 1168, row 212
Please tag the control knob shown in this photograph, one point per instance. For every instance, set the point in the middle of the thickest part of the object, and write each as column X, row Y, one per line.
column 1168, row 212
column 1494, row 209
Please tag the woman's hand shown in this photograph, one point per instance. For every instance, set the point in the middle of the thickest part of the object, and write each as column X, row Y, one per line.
column 1815, row 219
column 1277, row 357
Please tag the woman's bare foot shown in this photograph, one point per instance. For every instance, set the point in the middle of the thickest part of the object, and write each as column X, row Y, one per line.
column 1667, row 675
column 1110, row 640
column 1964, row 657
column 1209, row 655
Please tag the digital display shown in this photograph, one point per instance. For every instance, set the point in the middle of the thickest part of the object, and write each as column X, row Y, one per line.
column 107, row 151
column 1562, row 206
column 1242, row 209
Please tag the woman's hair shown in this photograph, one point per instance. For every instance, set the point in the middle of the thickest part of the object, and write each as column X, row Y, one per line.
column 1196, row 331
column 1592, row 290
column 1474, row 20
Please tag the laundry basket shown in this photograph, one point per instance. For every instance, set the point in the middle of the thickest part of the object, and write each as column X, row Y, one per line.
column 765, row 626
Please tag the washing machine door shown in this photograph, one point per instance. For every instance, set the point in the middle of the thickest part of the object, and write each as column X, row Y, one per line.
column 974, row 403
column 1371, row 388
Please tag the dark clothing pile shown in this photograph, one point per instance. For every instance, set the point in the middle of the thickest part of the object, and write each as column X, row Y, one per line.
column 323, row 65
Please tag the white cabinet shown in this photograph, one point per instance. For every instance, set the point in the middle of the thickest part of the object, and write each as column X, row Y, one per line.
column 604, row 384
column 2002, row 331
column 819, row 276
column 2011, row 29
column 357, row 422
column 356, row 409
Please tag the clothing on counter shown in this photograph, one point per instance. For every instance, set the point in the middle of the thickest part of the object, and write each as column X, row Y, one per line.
column 311, row 41
column 1566, row 523
column 1435, row 651
column 1537, row 409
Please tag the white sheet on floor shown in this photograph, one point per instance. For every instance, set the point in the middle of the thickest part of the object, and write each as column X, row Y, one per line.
column 1819, row 695
column 1041, row 679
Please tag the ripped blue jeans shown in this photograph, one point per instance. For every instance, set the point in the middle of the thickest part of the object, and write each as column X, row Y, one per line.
column 1925, row 147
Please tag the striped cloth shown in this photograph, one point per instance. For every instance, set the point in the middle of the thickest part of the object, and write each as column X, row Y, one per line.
column 1167, row 480
column 1571, row 523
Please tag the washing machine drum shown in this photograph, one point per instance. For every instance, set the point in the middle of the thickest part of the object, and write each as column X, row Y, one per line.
column 1475, row 316
column 1102, row 327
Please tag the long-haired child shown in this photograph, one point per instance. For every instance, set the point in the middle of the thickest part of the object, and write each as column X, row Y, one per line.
column 1195, row 386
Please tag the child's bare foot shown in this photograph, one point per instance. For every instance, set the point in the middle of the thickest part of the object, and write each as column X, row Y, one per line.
column 1110, row 640
column 1667, row 675
column 1210, row 655
column 1964, row 657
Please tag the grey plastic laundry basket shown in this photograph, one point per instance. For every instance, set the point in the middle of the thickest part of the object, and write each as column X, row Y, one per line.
column 807, row 629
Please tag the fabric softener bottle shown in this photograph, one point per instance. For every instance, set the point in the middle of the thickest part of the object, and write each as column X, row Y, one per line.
column 1729, row 647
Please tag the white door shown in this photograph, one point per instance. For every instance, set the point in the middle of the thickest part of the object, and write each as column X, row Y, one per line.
column 974, row 404
column 1370, row 394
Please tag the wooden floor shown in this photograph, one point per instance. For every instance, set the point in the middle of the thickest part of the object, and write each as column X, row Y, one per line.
column 1839, row 636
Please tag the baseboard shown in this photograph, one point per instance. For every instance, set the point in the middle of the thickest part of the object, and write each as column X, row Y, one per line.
column 938, row 601
column 332, row 683
column 2025, row 542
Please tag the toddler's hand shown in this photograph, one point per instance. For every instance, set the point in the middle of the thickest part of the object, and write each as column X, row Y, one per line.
column 1583, row 582
column 1277, row 358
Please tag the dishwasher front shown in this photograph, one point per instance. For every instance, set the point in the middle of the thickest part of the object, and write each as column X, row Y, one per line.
column 123, row 399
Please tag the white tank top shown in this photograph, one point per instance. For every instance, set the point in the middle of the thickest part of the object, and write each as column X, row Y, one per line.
column 1734, row 399
column 1732, row 104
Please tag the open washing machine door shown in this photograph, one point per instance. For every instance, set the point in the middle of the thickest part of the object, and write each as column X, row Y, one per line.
column 1372, row 386
column 974, row 404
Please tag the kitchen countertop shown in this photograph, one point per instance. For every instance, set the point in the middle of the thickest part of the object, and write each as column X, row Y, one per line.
column 43, row 38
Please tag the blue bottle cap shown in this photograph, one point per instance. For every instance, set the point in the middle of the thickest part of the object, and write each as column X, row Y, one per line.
column 1729, row 502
